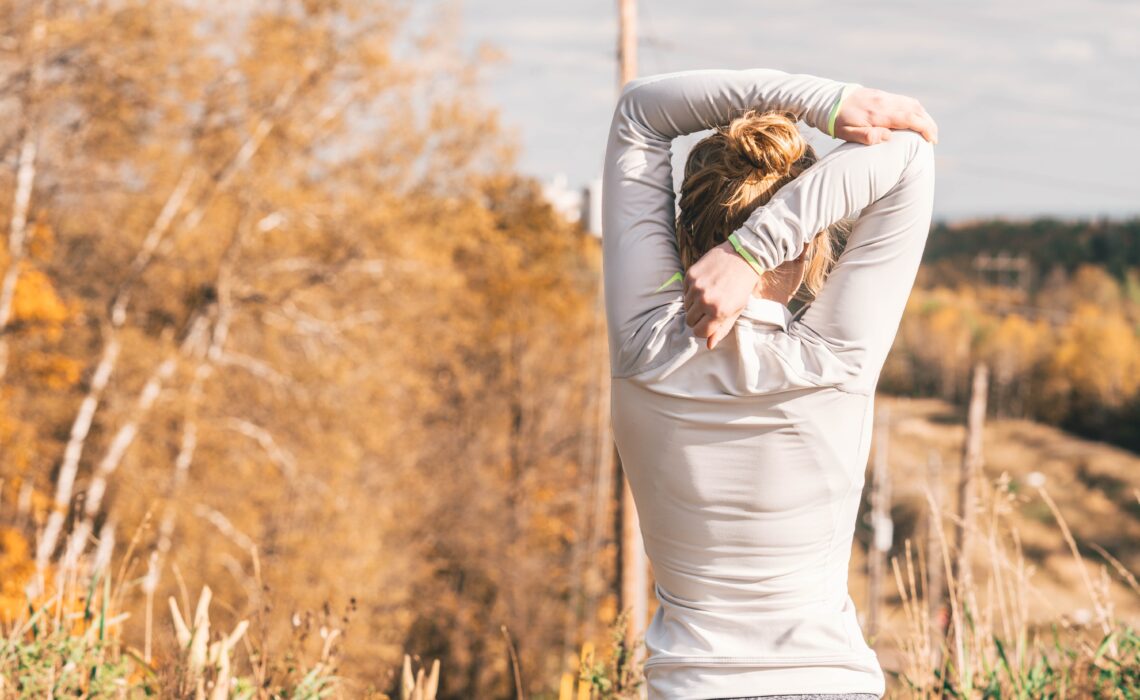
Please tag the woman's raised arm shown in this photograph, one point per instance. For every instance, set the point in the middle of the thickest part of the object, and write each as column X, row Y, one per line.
column 891, row 185
column 638, row 215
column 719, row 284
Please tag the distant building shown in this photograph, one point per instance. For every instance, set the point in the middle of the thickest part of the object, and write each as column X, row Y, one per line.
column 582, row 205
column 566, row 201
column 592, row 207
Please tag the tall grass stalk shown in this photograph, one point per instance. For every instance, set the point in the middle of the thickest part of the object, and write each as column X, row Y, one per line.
column 992, row 645
column 68, row 640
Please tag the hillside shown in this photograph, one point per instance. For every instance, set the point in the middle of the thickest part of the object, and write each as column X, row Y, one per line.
column 1096, row 487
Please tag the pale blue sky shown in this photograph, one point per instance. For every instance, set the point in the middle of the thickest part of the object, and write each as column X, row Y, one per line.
column 1038, row 103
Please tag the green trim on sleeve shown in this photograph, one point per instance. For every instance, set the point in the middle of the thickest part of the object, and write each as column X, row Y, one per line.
column 847, row 90
column 745, row 254
column 677, row 277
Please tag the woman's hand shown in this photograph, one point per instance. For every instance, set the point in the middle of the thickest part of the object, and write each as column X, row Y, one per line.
column 716, row 292
column 718, row 285
column 868, row 115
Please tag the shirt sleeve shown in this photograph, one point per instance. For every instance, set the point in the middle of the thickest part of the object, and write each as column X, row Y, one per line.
column 856, row 315
column 638, row 215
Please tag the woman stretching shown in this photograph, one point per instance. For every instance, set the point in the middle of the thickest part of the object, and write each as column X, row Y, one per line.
column 745, row 452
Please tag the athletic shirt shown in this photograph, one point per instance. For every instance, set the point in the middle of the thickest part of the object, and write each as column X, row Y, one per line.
column 746, row 462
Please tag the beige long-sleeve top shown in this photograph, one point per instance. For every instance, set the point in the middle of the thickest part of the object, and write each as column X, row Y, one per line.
column 746, row 462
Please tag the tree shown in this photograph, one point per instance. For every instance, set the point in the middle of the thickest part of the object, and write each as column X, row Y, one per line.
column 305, row 316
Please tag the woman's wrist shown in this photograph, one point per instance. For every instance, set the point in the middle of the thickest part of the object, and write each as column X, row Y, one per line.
column 847, row 90
column 743, row 252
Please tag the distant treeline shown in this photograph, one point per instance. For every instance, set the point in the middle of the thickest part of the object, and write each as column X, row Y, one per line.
column 1047, row 242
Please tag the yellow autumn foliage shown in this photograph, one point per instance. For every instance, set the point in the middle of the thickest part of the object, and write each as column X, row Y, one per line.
column 1096, row 358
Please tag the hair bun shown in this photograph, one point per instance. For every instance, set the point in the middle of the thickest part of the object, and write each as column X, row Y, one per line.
column 765, row 144
column 734, row 170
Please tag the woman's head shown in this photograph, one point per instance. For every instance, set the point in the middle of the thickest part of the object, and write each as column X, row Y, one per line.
column 737, row 169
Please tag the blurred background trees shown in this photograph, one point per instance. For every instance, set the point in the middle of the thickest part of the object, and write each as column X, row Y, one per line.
column 275, row 307
column 1053, row 307
column 271, row 281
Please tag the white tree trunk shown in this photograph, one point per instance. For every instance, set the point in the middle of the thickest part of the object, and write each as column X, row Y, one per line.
column 25, row 180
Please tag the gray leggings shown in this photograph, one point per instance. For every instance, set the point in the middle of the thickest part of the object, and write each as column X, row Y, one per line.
column 813, row 696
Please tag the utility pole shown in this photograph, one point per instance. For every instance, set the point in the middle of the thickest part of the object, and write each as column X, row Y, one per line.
column 627, row 42
column 631, row 550
column 882, row 527
column 971, row 473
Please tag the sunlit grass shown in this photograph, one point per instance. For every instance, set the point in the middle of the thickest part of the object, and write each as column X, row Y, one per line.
column 68, row 641
column 982, row 641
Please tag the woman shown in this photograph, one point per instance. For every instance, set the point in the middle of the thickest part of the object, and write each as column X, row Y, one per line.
column 745, row 453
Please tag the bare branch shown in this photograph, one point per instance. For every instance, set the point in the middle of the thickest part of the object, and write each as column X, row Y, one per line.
column 257, row 368
column 17, row 236
column 149, row 245
column 80, row 428
column 189, row 442
column 125, row 437
column 223, row 524
column 281, row 457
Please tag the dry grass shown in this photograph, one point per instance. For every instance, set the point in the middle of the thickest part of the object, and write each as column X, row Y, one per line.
column 1033, row 617
column 68, row 641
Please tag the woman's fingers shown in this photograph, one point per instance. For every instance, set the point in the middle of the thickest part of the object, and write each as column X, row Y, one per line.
column 868, row 111
column 714, row 328
column 704, row 320
column 700, row 321
column 693, row 312
column 717, row 288
column 720, row 333
column 868, row 135
column 704, row 327
column 920, row 120
column 930, row 128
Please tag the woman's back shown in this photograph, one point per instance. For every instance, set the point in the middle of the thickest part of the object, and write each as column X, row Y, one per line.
column 747, row 498
column 746, row 461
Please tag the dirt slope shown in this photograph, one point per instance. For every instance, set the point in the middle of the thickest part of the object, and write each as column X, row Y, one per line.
column 1095, row 486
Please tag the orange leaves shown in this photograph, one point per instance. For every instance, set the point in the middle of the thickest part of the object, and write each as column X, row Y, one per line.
column 1020, row 337
column 38, row 303
column 16, row 569
column 382, row 341
column 1069, row 354
column 38, row 309
column 39, row 319
column 51, row 370
column 1097, row 358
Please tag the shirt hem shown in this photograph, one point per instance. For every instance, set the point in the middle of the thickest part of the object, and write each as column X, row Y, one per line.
column 730, row 681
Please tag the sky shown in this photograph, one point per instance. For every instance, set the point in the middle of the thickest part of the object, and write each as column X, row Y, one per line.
column 1037, row 103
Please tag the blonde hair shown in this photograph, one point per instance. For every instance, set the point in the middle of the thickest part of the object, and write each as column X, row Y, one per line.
column 737, row 169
